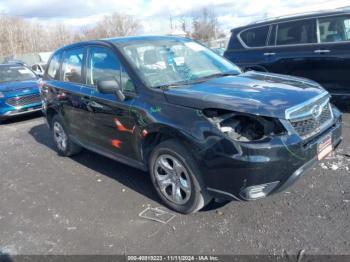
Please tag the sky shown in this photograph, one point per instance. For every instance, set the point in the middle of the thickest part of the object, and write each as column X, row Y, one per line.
column 154, row 14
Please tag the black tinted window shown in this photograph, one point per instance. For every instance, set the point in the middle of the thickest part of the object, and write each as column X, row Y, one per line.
column 255, row 37
column 72, row 66
column 297, row 32
column 334, row 29
column 103, row 64
column 53, row 70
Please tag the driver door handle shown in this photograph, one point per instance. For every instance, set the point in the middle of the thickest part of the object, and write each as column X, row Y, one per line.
column 269, row 54
column 85, row 99
column 94, row 104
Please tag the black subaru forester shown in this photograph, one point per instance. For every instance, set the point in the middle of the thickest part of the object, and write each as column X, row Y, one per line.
column 201, row 127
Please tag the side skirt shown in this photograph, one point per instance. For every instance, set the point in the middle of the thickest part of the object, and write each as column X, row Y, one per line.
column 118, row 158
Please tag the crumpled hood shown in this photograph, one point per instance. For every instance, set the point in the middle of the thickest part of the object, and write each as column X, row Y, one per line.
column 17, row 86
column 252, row 92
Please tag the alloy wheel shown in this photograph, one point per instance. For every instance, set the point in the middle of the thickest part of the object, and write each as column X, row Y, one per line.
column 60, row 136
column 173, row 179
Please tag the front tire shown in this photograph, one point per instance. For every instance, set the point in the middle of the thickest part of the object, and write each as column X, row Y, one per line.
column 176, row 178
column 64, row 145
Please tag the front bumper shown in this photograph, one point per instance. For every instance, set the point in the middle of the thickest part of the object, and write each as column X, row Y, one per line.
column 9, row 111
column 262, row 168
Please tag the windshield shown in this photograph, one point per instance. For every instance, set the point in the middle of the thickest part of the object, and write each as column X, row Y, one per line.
column 15, row 73
column 176, row 61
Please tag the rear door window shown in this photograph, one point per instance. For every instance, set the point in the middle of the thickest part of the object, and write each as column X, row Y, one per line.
column 72, row 65
column 255, row 37
column 54, row 67
column 297, row 32
column 334, row 29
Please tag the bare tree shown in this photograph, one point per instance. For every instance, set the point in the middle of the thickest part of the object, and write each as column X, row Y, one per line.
column 114, row 25
column 205, row 25
column 185, row 25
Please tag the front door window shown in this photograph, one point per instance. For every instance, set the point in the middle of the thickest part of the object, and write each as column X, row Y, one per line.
column 104, row 64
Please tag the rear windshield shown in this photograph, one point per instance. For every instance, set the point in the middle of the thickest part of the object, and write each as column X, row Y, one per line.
column 15, row 73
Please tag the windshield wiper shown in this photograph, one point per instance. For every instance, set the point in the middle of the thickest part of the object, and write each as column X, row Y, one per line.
column 194, row 81
column 205, row 78
column 216, row 75
column 173, row 85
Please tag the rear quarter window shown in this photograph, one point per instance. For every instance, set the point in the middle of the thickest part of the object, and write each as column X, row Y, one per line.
column 255, row 37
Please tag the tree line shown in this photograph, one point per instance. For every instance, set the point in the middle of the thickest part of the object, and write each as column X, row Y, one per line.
column 19, row 36
column 201, row 25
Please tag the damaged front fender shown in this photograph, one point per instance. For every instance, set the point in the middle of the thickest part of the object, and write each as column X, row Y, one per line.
column 244, row 127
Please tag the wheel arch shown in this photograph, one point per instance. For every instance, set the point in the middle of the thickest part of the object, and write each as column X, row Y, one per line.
column 159, row 133
column 50, row 113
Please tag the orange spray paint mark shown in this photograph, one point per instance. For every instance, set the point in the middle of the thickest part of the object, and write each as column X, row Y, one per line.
column 116, row 143
column 144, row 133
column 122, row 128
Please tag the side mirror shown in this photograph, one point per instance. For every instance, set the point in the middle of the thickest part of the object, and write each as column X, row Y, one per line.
column 110, row 86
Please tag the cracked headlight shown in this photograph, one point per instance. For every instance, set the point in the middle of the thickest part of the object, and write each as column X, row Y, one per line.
column 243, row 127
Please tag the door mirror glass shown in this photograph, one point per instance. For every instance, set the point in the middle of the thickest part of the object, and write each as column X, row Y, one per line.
column 110, row 85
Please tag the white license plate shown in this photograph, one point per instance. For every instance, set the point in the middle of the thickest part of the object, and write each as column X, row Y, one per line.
column 324, row 148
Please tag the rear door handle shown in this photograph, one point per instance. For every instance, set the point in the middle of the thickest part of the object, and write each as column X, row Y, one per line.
column 322, row 51
column 269, row 54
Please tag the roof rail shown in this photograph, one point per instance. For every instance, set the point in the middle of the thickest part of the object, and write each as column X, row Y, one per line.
column 299, row 14
column 347, row 7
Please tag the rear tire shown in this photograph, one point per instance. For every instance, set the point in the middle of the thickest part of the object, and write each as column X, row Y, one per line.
column 64, row 145
column 176, row 178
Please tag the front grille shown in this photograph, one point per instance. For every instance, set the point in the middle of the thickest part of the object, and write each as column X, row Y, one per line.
column 312, row 125
column 24, row 100
column 305, row 128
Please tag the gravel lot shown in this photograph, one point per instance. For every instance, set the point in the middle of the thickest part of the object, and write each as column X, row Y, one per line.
column 89, row 204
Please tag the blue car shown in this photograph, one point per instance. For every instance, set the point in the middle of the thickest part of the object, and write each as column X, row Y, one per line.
column 19, row 91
